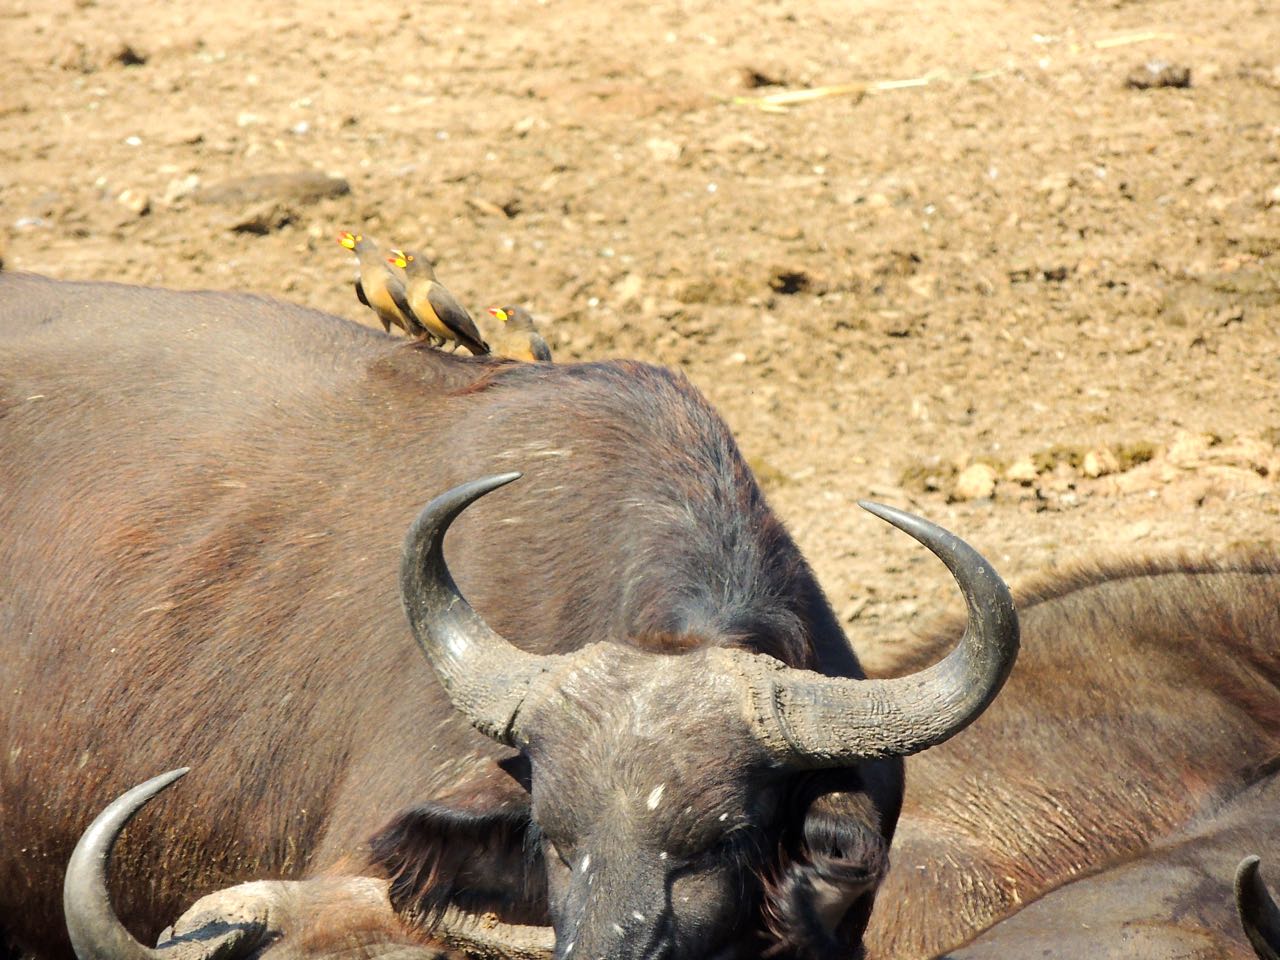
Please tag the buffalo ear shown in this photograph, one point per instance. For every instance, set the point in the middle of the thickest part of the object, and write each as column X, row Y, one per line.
column 818, row 901
column 470, row 848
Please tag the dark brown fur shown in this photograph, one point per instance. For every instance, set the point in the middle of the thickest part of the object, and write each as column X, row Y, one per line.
column 1146, row 696
column 203, row 498
column 1173, row 900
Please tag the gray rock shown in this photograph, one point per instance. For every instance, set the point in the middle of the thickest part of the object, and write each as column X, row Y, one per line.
column 300, row 188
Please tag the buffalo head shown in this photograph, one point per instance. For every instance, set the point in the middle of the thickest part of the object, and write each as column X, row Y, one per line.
column 657, row 780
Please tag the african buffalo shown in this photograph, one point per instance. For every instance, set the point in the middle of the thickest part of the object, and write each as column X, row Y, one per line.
column 1099, row 806
column 202, row 502
column 1172, row 901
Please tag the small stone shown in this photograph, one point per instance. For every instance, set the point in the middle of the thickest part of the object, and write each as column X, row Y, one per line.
column 664, row 151
column 1099, row 463
column 262, row 219
column 486, row 207
column 508, row 209
column 1021, row 471
column 975, row 482
column 1188, row 449
column 1158, row 73
column 924, row 285
column 137, row 202
column 180, row 188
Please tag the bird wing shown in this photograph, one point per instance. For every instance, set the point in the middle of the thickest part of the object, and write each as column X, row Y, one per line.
column 360, row 293
column 454, row 316
column 396, row 291
column 538, row 347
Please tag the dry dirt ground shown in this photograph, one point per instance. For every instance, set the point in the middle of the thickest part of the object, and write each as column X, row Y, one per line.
column 1018, row 296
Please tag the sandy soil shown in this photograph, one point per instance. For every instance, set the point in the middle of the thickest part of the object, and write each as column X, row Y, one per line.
column 1022, row 298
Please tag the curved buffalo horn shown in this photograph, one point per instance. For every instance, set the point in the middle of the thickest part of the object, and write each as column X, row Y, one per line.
column 486, row 677
column 487, row 938
column 1259, row 914
column 96, row 932
column 808, row 720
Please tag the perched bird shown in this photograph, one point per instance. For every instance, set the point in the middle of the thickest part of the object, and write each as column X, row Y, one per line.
column 379, row 286
column 433, row 308
column 519, row 338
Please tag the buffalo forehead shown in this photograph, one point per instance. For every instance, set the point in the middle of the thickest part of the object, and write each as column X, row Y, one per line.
column 623, row 695
column 651, row 751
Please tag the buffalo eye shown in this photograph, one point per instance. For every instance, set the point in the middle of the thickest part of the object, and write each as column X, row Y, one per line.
column 733, row 848
column 557, row 851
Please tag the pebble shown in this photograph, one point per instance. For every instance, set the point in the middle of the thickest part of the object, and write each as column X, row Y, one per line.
column 664, row 151
column 1158, row 73
column 1021, row 471
column 137, row 202
column 975, row 482
column 1099, row 463
column 262, row 218
column 180, row 188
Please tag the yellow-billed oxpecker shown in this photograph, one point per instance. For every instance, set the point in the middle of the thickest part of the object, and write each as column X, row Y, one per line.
column 433, row 307
column 517, row 336
column 379, row 285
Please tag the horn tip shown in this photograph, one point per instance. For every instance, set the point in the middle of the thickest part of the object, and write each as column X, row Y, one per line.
column 891, row 515
column 157, row 784
column 478, row 488
column 1247, row 869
